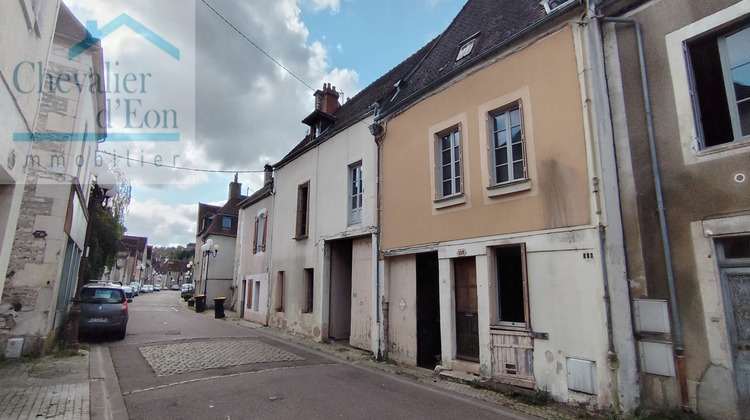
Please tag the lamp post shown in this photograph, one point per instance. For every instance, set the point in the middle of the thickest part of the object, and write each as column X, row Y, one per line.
column 208, row 249
column 189, row 267
column 104, row 188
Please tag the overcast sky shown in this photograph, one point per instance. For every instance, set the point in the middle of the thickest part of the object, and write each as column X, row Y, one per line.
column 236, row 108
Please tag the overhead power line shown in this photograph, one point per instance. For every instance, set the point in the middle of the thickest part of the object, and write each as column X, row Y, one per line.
column 182, row 168
column 256, row 45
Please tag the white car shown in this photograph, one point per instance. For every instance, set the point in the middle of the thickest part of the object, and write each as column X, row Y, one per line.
column 157, row 287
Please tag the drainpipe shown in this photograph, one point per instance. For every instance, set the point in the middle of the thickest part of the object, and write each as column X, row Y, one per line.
column 383, row 331
column 679, row 346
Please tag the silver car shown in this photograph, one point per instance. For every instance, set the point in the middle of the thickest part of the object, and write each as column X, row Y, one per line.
column 104, row 309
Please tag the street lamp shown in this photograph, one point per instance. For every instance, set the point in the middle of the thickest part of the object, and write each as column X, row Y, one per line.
column 189, row 267
column 208, row 249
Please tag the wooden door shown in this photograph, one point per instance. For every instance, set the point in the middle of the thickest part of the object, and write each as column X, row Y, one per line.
column 467, row 319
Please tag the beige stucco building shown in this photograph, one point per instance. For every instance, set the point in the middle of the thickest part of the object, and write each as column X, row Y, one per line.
column 501, row 237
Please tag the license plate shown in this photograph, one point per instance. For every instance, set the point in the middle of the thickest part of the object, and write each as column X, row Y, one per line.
column 97, row 320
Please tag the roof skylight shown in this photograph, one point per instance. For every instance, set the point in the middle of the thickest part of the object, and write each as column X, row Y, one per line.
column 552, row 5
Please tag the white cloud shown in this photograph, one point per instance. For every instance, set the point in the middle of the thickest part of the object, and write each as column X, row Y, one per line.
column 248, row 110
column 334, row 5
column 168, row 224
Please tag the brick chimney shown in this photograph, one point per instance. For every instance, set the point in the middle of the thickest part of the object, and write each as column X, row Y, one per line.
column 268, row 172
column 327, row 100
column 235, row 188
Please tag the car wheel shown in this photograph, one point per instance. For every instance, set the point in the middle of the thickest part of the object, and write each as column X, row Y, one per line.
column 121, row 335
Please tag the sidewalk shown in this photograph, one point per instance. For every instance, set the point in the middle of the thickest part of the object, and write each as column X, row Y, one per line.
column 48, row 387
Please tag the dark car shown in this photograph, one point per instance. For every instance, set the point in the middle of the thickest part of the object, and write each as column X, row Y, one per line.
column 104, row 309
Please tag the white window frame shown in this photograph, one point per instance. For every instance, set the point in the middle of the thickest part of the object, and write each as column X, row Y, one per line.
column 356, row 190
column 454, row 164
column 506, row 115
column 259, row 235
column 493, row 192
column 460, row 200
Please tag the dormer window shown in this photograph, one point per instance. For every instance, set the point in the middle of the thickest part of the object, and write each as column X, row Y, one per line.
column 552, row 5
column 466, row 46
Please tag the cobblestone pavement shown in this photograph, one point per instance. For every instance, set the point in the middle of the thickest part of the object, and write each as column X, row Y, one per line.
column 171, row 359
column 50, row 388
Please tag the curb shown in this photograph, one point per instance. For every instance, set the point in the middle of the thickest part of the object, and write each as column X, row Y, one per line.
column 106, row 396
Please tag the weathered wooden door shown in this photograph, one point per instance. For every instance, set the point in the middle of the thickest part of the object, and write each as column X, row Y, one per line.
column 467, row 320
column 736, row 283
column 734, row 263
column 513, row 358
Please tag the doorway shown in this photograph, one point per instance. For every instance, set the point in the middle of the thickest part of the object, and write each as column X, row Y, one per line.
column 467, row 315
column 340, row 309
column 428, row 310
column 734, row 265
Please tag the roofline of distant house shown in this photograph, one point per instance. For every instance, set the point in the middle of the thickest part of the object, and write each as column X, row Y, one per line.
column 262, row 193
column 471, row 62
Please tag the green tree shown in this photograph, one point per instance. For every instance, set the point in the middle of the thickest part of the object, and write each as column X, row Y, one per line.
column 104, row 236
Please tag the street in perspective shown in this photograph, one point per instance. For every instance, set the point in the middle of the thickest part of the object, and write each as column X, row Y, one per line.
column 174, row 363
column 395, row 209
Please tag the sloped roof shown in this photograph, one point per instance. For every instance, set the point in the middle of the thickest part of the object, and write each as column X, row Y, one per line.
column 494, row 24
column 203, row 211
column 355, row 108
column 133, row 243
column 262, row 193
column 231, row 208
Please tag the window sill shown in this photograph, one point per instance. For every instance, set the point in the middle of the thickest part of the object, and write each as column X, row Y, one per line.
column 510, row 328
column 300, row 238
column 449, row 201
column 505, row 189
column 726, row 147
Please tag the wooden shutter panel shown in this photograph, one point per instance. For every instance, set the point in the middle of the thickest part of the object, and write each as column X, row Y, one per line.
column 255, row 236
column 265, row 230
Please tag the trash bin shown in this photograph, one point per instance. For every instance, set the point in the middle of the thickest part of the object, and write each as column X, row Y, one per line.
column 200, row 303
column 219, row 307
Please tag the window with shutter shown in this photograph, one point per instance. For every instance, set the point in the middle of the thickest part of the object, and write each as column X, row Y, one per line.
column 255, row 236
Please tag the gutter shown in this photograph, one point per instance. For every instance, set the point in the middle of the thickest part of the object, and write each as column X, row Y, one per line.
column 679, row 346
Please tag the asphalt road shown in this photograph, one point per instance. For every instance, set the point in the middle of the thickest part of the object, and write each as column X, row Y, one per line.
column 176, row 364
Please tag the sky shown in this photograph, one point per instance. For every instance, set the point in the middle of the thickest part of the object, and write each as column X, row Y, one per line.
column 233, row 97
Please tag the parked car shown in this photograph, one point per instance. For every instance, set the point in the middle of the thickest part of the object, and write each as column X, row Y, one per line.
column 136, row 287
column 128, row 291
column 174, row 287
column 104, row 309
column 187, row 288
column 147, row 288
column 157, row 287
